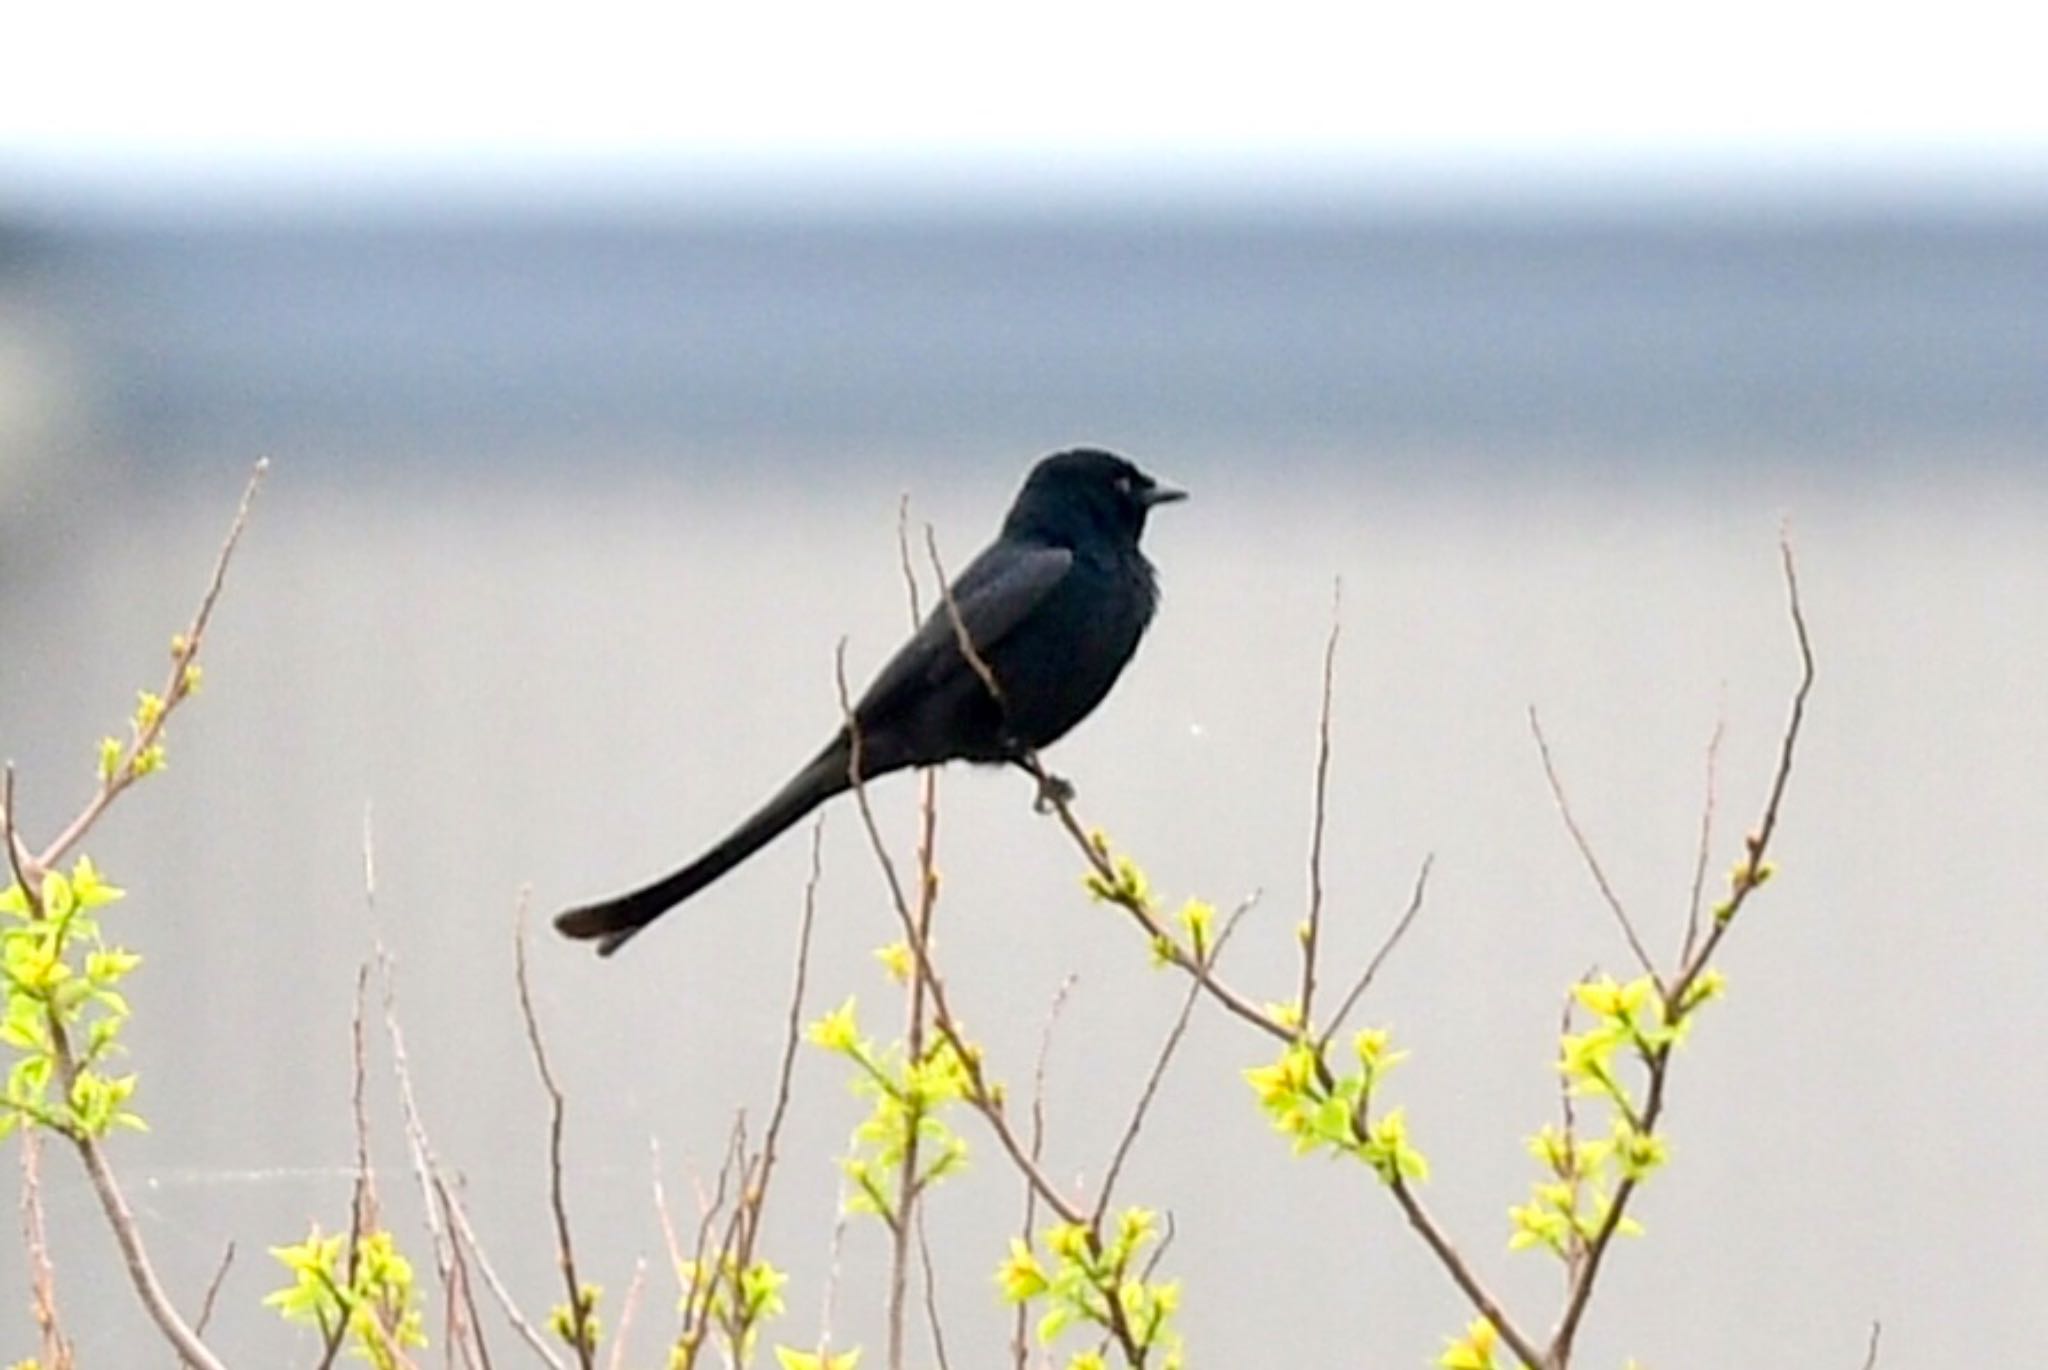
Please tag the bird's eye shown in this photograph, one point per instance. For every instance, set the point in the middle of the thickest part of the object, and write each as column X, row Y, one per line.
column 1126, row 486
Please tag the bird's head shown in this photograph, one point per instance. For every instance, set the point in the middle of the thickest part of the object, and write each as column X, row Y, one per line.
column 1086, row 493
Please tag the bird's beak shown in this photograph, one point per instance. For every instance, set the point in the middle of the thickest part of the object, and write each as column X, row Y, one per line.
column 1161, row 494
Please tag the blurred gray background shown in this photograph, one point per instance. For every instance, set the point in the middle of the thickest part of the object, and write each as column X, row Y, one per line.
column 580, row 474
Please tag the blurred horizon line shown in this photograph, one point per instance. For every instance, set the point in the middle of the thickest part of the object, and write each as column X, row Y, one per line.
column 1793, row 181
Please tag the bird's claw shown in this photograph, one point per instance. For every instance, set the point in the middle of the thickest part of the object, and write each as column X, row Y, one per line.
column 1053, row 791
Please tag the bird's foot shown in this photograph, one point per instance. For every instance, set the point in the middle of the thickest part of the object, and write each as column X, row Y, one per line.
column 1053, row 791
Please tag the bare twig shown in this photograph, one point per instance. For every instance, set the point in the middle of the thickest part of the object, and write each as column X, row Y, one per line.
column 462, row 1327
column 903, row 557
column 1704, row 851
column 140, row 1272
column 965, row 639
column 627, row 1309
column 1475, row 1292
column 1312, row 926
column 1379, row 958
column 213, row 1287
column 1564, row 811
column 1020, row 1343
column 931, row 1296
column 1745, row 882
column 908, row 1187
column 1152, row 1081
column 1156, row 935
column 579, row 1309
column 792, row 1031
column 1870, row 1354
column 979, row 1093
column 1568, row 1115
column 177, row 689
column 363, row 1199
column 447, row 1222
column 464, row 1321
column 834, row 1267
column 56, row 1351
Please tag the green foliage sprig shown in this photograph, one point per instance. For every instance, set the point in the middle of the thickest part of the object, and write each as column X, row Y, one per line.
column 907, row 1097
column 65, row 1011
column 1101, row 1281
column 356, row 1290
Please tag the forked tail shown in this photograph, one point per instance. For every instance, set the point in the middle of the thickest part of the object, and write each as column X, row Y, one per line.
column 612, row 923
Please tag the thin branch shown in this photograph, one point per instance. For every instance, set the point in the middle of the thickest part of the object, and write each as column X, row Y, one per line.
column 931, row 1296
column 907, row 1184
column 1564, row 810
column 56, row 1347
column 213, row 1287
column 1312, row 926
column 903, row 558
column 177, row 689
column 362, row 1200
column 1234, row 1002
column 458, row 1296
column 446, row 1219
column 1152, row 1081
column 1020, row 1344
column 1701, row 856
column 1476, row 1293
column 1870, row 1355
column 1746, row 881
column 792, row 1034
column 979, row 1093
column 113, row 1204
column 965, row 639
column 462, row 1320
column 579, row 1310
column 1759, row 840
column 140, row 1272
column 1379, row 958
column 627, row 1309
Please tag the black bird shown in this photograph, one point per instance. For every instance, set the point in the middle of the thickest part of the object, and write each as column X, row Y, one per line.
column 1054, row 607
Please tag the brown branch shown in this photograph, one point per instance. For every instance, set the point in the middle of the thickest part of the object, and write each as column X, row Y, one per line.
column 1870, row 1353
column 1379, row 957
column 213, row 1287
column 458, row 1297
column 362, row 1200
column 903, row 558
column 792, row 1036
column 56, row 1351
column 579, row 1310
column 1312, row 926
column 907, row 1184
column 1020, row 1343
column 140, row 1272
column 113, row 1204
column 1564, row 811
column 931, row 1296
column 1231, row 1000
column 1475, row 1292
column 1152, row 1081
column 1568, row 1115
column 177, row 689
column 1704, row 851
column 1747, row 880
column 445, row 1215
column 463, row 1319
column 627, row 1309
column 979, row 1092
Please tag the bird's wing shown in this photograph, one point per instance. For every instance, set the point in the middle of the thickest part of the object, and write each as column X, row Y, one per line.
column 996, row 592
